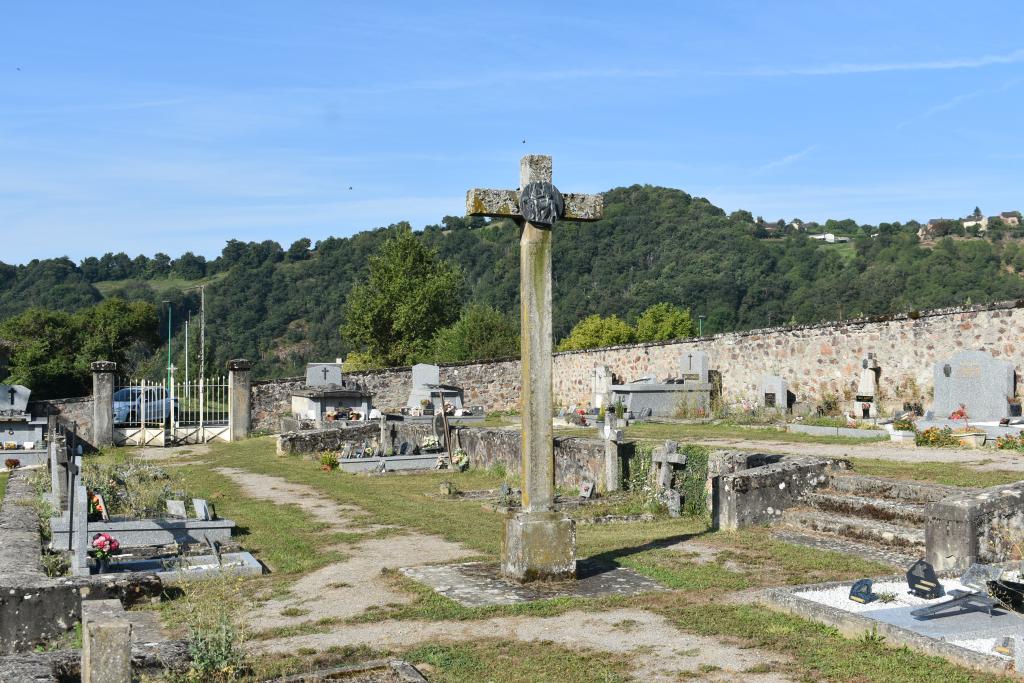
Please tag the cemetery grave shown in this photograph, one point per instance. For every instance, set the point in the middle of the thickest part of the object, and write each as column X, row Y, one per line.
column 950, row 615
column 21, row 434
column 327, row 399
column 689, row 394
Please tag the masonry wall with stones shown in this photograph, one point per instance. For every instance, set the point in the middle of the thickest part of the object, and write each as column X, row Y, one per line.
column 67, row 411
column 817, row 360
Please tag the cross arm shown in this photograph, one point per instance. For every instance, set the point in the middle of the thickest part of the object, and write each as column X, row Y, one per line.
column 505, row 204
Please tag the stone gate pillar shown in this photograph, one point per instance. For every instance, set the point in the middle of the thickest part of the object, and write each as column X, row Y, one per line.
column 239, row 398
column 103, row 403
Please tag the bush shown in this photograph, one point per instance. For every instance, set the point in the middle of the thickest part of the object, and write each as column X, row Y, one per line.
column 215, row 653
column 693, row 484
column 12, row 463
column 133, row 488
column 937, row 438
column 904, row 425
column 328, row 461
column 1010, row 443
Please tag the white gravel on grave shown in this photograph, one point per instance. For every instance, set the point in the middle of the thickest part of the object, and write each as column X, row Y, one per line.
column 839, row 596
column 983, row 645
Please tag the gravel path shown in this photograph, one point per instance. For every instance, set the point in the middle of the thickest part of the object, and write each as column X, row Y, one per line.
column 658, row 651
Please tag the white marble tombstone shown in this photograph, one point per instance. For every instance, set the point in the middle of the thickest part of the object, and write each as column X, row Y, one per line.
column 601, row 385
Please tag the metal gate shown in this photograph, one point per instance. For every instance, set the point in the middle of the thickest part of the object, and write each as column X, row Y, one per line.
column 170, row 413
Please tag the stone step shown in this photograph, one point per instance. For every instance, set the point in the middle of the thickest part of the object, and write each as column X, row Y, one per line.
column 897, row 557
column 855, row 528
column 884, row 509
column 893, row 489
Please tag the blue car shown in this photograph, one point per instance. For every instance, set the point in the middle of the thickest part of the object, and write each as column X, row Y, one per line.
column 128, row 405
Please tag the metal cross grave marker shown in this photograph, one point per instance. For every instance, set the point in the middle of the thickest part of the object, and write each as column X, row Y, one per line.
column 535, row 207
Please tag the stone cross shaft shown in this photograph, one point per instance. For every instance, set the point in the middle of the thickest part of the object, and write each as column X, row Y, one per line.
column 538, row 460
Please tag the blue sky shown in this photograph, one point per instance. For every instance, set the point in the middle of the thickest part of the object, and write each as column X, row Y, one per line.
column 145, row 127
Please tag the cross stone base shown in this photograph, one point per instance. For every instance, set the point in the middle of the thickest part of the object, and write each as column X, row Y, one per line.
column 539, row 546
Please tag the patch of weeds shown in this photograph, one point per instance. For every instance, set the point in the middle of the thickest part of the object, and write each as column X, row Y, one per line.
column 339, row 584
column 509, row 661
column 294, row 612
column 54, row 564
column 626, row 625
column 886, row 597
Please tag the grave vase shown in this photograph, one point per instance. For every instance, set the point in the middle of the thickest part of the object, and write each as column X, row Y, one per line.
column 102, row 565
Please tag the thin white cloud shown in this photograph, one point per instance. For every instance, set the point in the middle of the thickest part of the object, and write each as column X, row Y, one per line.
column 786, row 160
column 956, row 101
column 1014, row 57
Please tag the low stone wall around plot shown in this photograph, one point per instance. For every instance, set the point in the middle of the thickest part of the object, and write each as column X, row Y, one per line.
column 975, row 526
column 759, row 495
column 576, row 460
column 334, row 439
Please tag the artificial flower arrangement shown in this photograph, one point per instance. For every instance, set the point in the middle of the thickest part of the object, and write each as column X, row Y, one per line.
column 104, row 546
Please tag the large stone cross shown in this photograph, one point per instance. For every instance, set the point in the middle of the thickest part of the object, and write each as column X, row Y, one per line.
column 538, row 543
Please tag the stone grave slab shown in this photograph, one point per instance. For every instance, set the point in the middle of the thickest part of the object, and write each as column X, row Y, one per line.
column 480, row 584
column 978, row 381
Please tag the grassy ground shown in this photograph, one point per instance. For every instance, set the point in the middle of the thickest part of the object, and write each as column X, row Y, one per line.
column 161, row 286
column 704, row 571
column 696, row 432
column 3, row 484
column 946, row 473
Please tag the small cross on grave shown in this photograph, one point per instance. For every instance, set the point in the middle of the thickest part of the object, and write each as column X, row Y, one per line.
column 324, row 370
column 539, row 543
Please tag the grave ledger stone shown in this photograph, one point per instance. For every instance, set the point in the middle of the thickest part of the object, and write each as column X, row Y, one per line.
column 539, row 543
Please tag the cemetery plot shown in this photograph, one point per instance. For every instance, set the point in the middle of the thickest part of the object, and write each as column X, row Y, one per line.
column 953, row 617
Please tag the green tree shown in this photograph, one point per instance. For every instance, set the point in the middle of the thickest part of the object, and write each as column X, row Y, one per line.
column 52, row 350
column 410, row 295
column 664, row 321
column 480, row 333
column 594, row 332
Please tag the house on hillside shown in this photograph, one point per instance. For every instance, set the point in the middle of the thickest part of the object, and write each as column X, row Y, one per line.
column 1010, row 218
column 981, row 222
column 830, row 238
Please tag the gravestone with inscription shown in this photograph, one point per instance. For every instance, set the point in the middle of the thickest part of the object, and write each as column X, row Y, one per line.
column 773, row 393
column 694, row 366
column 601, row 386
column 426, row 386
column 976, row 380
column 323, row 374
column 688, row 395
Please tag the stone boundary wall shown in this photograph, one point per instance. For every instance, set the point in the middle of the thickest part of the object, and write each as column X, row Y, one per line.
column 67, row 411
column 816, row 361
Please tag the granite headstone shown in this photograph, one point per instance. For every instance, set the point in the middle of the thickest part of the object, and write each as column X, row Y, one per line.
column 976, row 380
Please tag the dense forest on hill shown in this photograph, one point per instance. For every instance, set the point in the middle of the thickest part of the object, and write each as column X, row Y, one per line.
column 282, row 307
